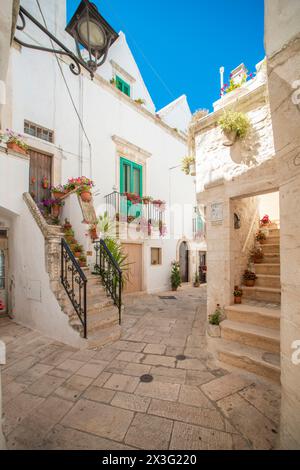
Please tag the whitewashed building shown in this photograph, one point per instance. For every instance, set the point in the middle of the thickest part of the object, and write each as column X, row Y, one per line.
column 106, row 129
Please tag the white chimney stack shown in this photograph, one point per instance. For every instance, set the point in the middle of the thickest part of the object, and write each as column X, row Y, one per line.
column 222, row 70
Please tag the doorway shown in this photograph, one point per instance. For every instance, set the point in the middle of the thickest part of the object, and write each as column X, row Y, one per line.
column 3, row 272
column 184, row 262
column 40, row 176
column 202, row 266
column 134, row 252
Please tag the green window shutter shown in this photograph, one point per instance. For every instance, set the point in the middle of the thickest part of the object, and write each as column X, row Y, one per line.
column 123, row 86
column 131, row 177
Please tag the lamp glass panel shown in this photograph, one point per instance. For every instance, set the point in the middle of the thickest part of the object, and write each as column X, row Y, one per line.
column 97, row 36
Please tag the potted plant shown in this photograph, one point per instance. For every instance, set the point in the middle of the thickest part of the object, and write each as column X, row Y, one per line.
column 68, row 227
column 77, row 250
column 175, row 276
column 140, row 101
column 85, row 193
column 58, row 191
column 237, row 293
column 265, row 221
column 15, row 142
column 93, row 231
column 45, row 182
column 159, row 204
column 197, row 280
column 133, row 198
column 146, row 200
column 55, row 207
column 249, row 278
column 82, row 261
column 256, row 255
column 235, row 125
column 260, row 237
column 188, row 166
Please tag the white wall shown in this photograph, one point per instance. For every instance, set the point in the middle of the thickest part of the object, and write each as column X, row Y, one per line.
column 14, row 180
column 282, row 19
column 177, row 114
column 32, row 300
column 268, row 204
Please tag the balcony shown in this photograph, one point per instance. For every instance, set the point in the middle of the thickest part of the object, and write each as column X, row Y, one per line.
column 199, row 228
column 146, row 213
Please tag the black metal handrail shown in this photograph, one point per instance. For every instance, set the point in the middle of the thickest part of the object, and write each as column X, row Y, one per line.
column 111, row 274
column 75, row 283
column 118, row 205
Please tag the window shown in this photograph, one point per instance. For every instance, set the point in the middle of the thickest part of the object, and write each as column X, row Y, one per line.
column 131, row 177
column 155, row 256
column 122, row 86
column 38, row 131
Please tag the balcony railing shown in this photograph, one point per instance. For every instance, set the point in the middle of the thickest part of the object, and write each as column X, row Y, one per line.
column 199, row 228
column 122, row 207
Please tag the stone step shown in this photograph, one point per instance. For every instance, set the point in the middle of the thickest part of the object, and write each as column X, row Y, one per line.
column 251, row 359
column 270, row 248
column 96, row 307
column 254, row 315
column 271, row 258
column 271, row 240
column 267, row 294
column 102, row 337
column 274, row 232
column 268, row 268
column 105, row 319
column 268, row 280
column 255, row 336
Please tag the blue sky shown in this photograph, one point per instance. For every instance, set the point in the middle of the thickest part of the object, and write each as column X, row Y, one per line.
column 179, row 45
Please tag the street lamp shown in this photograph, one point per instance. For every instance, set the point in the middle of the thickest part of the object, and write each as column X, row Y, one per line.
column 90, row 31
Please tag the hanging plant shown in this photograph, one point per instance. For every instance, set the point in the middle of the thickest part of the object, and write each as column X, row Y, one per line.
column 188, row 166
column 45, row 182
column 235, row 125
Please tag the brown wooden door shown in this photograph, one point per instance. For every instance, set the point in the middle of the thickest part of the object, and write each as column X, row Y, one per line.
column 134, row 253
column 40, row 167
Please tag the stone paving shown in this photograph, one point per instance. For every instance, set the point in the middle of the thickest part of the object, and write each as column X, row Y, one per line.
column 57, row 397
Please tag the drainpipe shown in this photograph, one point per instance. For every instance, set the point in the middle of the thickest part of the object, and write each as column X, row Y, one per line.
column 2, row 363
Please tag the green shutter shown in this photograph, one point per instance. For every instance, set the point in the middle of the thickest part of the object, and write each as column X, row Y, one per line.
column 123, row 86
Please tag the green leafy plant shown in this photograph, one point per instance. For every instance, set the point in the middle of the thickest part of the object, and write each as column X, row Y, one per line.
column 140, row 101
column 237, row 292
column 216, row 317
column 186, row 164
column 175, row 275
column 11, row 137
column 235, row 121
column 260, row 236
column 249, row 276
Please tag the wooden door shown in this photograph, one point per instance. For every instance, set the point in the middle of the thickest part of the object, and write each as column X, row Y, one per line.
column 134, row 253
column 40, row 168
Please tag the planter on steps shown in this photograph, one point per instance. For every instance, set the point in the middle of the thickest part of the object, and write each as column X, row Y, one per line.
column 250, row 283
column 86, row 196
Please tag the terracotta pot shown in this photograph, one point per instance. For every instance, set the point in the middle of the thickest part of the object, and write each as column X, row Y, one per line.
column 174, row 289
column 229, row 138
column 86, row 196
column 55, row 210
column 250, row 282
column 196, row 284
column 237, row 300
column 77, row 254
column 13, row 146
column 93, row 234
column 82, row 264
column 58, row 195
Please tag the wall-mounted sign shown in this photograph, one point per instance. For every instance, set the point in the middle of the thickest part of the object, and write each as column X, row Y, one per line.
column 217, row 213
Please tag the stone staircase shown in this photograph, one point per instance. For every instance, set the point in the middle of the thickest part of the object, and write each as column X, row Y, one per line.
column 250, row 335
column 102, row 315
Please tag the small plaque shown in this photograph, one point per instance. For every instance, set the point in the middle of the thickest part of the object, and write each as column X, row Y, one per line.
column 217, row 212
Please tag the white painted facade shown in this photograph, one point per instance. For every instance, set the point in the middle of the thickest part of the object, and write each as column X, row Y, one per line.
column 114, row 126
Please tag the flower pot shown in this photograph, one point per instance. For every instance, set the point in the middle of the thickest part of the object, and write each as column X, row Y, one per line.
column 262, row 242
column 196, row 284
column 174, row 289
column 58, row 195
column 93, row 234
column 237, row 300
column 77, row 254
column 86, row 196
column 82, row 264
column 55, row 210
column 16, row 148
column 249, row 282
column 229, row 138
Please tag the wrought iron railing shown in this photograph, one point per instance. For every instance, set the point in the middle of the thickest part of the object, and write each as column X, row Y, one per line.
column 75, row 283
column 110, row 273
column 119, row 207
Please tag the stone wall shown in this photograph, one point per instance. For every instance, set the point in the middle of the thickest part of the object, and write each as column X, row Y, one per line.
column 282, row 39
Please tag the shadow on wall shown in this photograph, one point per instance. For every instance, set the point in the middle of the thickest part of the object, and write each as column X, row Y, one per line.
column 246, row 151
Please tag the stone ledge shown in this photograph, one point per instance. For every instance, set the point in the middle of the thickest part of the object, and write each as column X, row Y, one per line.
column 2, row 354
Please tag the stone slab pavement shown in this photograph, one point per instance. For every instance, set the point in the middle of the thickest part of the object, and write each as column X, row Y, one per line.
column 57, row 397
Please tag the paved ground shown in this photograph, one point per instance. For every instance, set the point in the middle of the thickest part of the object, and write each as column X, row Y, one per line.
column 56, row 397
